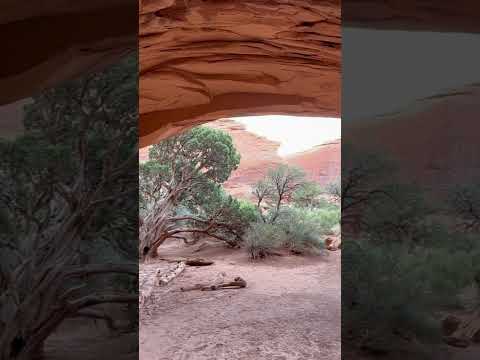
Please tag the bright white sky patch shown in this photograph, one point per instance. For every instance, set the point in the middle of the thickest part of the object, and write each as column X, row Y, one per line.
column 294, row 133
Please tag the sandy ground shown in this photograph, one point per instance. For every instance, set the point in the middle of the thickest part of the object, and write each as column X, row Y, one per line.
column 290, row 310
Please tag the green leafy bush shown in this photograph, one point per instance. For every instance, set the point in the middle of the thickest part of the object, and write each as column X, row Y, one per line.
column 301, row 230
column 261, row 238
column 392, row 289
column 307, row 195
column 305, row 228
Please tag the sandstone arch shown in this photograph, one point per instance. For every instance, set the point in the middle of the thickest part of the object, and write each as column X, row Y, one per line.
column 202, row 60
column 224, row 57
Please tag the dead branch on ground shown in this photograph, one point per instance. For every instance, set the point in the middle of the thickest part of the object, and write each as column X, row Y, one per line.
column 237, row 283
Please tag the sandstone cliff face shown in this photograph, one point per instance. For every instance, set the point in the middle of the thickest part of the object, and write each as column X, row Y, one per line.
column 434, row 142
column 205, row 60
column 258, row 154
column 143, row 154
column 322, row 164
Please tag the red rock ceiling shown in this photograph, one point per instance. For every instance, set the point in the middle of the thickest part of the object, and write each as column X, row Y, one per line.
column 429, row 15
column 204, row 60
column 44, row 44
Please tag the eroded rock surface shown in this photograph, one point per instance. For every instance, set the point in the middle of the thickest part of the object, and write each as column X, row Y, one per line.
column 45, row 43
column 433, row 142
column 429, row 15
column 204, row 60
column 258, row 154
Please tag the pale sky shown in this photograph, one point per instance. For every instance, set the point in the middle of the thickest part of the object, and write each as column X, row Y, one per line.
column 294, row 133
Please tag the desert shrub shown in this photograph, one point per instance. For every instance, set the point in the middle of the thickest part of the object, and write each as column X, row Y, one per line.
column 305, row 227
column 406, row 268
column 336, row 229
column 308, row 195
column 261, row 238
column 390, row 289
column 405, row 263
column 277, row 190
column 334, row 188
column 464, row 205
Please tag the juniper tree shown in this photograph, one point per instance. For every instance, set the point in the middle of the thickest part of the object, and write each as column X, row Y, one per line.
column 67, row 185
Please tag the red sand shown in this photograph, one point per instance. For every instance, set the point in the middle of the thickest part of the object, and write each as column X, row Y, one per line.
column 290, row 310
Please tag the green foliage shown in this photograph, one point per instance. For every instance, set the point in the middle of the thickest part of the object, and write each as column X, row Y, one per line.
column 334, row 188
column 194, row 162
column 305, row 228
column 464, row 204
column 400, row 215
column 391, row 288
column 302, row 218
column 277, row 189
column 150, row 173
column 301, row 230
column 232, row 215
column 261, row 238
column 200, row 152
column 408, row 261
column 307, row 195
column 66, row 200
column 78, row 131
column 182, row 182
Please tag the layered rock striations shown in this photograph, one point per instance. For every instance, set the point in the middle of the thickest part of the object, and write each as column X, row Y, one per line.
column 205, row 60
column 45, row 43
column 427, row 15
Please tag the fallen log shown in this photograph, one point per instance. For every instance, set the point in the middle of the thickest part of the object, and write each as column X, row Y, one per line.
column 159, row 278
column 198, row 262
column 190, row 261
column 164, row 279
column 237, row 283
